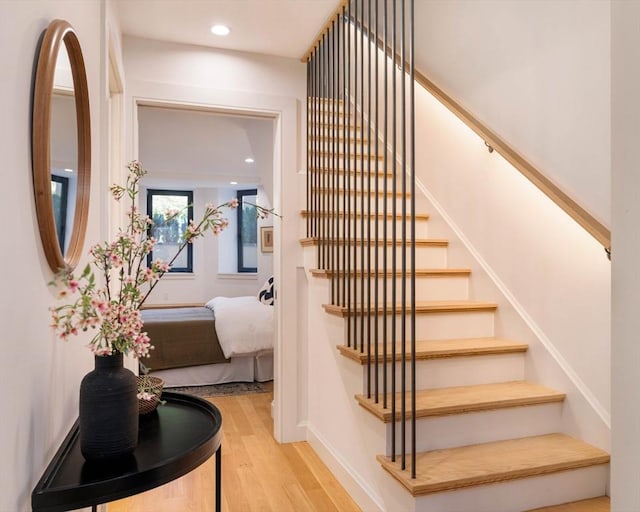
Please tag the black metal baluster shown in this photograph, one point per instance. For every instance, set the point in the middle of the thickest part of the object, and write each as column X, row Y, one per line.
column 394, row 234
column 316, row 143
column 320, row 157
column 334, row 163
column 308, row 204
column 403, row 280
column 362, row 188
column 345, row 157
column 368, row 156
column 385, row 167
column 347, row 135
column 327, row 158
column 339, row 159
column 374, row 43
column 412, row 152
column 354, row 310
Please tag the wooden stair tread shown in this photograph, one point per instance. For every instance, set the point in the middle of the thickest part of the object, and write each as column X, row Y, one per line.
column 465, row 399
column 424, row 242
column 420, row 272
column 455, row 468
column 422, row 307
column 600, row 504
column 357, row 215
column 439, row 349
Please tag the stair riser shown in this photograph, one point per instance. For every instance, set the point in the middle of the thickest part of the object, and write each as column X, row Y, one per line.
column 324, row 130
column 325, row 178
column 480, row 427
column 354, row 144
column 426, row 256
column 326, row 161
column 427, row 288
column 422, row 230
column 522, row 494
column 457, row 371
column 327, row 200
column 434, row 326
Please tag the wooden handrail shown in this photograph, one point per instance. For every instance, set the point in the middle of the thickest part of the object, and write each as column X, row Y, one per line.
column 594, row 227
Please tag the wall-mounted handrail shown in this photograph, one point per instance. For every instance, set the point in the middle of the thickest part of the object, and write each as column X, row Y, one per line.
column 588, row 222
column 595, row 228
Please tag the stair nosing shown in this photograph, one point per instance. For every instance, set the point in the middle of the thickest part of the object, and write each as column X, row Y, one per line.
column 538, row 395
column 431, row 242
column 499, row 347
column 417, row 488
column 420, row 272
column 380, row 216
column 422, row 307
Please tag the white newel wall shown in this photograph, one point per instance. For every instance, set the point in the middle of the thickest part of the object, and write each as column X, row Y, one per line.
column 274, row 87
column 40, row 374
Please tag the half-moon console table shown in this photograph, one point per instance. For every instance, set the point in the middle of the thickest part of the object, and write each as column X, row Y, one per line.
column 182, row 434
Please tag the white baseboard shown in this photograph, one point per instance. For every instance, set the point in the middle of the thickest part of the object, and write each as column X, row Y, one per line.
column 357, row 487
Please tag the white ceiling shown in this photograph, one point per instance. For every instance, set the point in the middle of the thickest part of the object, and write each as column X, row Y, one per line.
column 196, row 149
column 284, row 28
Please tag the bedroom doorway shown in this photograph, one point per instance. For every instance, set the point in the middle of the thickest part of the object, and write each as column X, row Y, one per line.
column 211, row 157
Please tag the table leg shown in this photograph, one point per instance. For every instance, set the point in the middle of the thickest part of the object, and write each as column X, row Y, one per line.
column 219, row 479
column 94, row 508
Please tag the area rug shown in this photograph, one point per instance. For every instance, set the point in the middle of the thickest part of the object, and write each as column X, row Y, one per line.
column 231, row 388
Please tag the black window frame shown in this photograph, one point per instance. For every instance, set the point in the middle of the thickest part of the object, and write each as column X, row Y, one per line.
column 240, row 195
column 151, row 192
column 61, row 226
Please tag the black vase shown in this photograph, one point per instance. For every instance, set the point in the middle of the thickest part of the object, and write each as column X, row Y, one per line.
column 108, row 410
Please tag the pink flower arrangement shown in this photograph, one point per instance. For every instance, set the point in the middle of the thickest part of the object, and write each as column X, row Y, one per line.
column 113, row 306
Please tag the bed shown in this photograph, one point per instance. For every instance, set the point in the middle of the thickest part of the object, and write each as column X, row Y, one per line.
column 230, row 339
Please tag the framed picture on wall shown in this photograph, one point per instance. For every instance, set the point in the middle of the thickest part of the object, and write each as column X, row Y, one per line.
column 266, row 239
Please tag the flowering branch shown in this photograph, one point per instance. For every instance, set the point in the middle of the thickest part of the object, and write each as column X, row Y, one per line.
column 114, row 309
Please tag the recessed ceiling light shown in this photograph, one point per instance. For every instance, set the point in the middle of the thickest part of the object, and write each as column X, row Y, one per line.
column 249, row 160
column 220, row 30
column 69, row 170
column 233, row 183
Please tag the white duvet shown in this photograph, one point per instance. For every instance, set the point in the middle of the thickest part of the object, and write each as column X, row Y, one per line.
column 244, row 325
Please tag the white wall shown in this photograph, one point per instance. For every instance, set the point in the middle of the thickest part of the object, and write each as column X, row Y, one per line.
column 625, row 349
column 551, row 272
column 210, row 278
column 240, row 82
column 537, row 73
column 40, row 374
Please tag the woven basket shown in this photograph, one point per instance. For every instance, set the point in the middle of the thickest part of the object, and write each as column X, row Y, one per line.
column 151, row 385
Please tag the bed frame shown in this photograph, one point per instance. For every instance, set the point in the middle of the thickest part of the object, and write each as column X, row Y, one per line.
column 187, row 351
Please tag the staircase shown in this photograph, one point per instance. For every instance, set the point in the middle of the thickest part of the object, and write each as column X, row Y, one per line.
column 486, row 439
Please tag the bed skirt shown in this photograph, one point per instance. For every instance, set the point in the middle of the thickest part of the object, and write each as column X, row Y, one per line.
column 238, row 369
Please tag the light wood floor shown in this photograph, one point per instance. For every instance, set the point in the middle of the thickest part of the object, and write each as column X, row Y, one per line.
column 258, row 474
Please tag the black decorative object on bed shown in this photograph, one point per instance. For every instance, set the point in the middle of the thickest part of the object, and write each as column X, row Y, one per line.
column 266, row 294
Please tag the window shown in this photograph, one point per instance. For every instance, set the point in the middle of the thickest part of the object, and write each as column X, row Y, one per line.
column 247, row 231
column 59, row 194
column 171, row 211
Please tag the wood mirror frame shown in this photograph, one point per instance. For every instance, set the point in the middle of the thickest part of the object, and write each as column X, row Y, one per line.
column 58, row 32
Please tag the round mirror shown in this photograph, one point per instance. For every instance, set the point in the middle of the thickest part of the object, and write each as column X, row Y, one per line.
column 61, row 146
